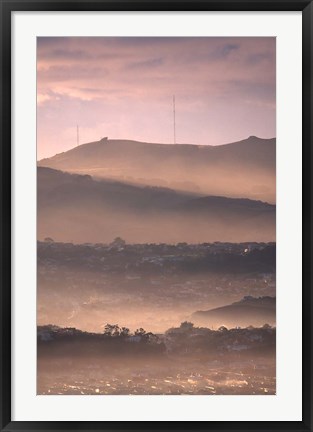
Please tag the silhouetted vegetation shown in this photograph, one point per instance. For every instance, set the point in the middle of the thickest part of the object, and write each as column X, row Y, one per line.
column 115, row 340
column 186, row 340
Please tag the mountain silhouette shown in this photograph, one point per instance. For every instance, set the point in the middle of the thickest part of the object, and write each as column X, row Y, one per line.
column 78, row 208
column 244, row 169
column 255, row 311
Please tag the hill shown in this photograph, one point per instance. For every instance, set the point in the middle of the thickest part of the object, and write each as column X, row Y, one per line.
column 80, row 209
column 241, row 169
column 254, row 311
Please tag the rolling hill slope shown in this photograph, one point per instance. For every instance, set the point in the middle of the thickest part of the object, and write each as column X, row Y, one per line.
column 78, row 208
column 248, row 311
column 245, row 169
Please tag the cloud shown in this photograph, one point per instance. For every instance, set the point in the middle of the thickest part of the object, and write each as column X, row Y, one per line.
column 146, row 64
column 257, row 58
column 61, row 53
column 42, row 98
column 130, row 83
column 224, row 51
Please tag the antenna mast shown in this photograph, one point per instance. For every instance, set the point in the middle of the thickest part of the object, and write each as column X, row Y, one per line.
column 174, row 118
column 77, row 135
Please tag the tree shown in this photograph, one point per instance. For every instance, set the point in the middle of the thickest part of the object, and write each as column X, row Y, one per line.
column 49, row 240
column 112, row 330
column 124, row 332
column 182, row 244
column 147, row 337
column 151, row 338
column 266, row 326
column 118, row 242
column 187, row 326
column 140, row 332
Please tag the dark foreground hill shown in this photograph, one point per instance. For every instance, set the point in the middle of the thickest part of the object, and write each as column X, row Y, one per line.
column 181, row 341
column 79, row 209
column 185, row 360
column 242, row 169
column 248, row 311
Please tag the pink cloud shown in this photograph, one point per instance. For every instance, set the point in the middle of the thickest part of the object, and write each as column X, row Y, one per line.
column 224, row 88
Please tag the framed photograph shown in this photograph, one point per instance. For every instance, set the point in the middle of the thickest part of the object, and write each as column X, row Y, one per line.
column 156, row 215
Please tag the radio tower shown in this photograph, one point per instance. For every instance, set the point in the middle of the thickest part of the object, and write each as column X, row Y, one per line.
column 77, row 135
column 174, row 119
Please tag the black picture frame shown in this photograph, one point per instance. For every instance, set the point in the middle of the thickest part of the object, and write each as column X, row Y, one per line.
column 6, row 8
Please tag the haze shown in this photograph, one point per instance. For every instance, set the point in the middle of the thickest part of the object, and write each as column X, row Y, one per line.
column 123, row 88
column 156, row 257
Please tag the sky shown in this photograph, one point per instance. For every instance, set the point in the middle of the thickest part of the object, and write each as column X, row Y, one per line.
column 225, row 90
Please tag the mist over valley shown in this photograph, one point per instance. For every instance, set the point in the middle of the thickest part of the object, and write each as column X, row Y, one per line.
column 244, row 169
column 81, row 209
column 158, row 262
